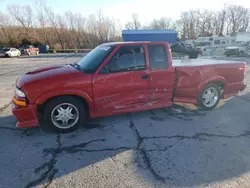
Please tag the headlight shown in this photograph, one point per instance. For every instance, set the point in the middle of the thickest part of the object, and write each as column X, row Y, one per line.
column 19, row 93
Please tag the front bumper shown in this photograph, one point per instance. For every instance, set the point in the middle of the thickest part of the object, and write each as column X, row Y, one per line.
column 232, row 52
column 26, row 116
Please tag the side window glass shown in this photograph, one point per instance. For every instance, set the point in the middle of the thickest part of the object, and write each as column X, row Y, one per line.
column 158, row 57
column 127, row 58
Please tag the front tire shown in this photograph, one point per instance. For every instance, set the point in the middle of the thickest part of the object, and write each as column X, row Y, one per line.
column 209, row 97
column 241, row 53
column 64, row 114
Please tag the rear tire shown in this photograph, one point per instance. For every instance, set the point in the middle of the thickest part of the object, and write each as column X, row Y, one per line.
column 209, row 97
column 64, row 114
column 193, row 55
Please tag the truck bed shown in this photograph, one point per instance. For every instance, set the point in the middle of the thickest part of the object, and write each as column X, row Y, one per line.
column 194, row 74
column 200, row 62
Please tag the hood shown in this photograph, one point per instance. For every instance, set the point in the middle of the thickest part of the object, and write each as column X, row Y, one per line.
column 50, row 79
column 53, row 72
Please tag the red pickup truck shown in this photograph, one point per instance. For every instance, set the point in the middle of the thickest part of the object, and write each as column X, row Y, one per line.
column 29, row 50
column 121, row 77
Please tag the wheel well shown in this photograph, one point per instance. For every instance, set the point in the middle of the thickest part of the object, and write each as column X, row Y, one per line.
column 40, row 107
column 218, row 83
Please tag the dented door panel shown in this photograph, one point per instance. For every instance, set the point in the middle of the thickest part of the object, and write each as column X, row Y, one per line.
column 118, row 91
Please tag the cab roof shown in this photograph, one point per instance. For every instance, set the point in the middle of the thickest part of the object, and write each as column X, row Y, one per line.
column 132, row 42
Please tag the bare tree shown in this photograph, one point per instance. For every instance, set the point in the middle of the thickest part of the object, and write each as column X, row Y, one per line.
column 222, row 17
column 43, row 22
column 23, row 14
column 101, row 28
column 204, row 22
column 3, row 27
column 71, row 30
column 238, row 18
column 162, row 23
column 189, row 24
column 52, row 19
column 134, row 24
column 9, row 32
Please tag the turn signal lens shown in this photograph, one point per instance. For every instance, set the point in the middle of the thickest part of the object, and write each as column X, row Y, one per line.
column 19, row 103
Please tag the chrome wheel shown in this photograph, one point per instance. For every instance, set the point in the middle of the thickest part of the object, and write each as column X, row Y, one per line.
column 210, row 97
column 64, row 115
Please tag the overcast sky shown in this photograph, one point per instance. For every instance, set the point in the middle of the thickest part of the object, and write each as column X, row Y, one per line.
column 123, row 9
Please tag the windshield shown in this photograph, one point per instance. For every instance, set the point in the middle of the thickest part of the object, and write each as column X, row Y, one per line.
column 95, row 57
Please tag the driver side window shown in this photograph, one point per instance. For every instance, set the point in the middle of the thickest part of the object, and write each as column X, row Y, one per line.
column 127, row 58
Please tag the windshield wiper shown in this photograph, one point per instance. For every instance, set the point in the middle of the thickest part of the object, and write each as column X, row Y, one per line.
column 77, row 66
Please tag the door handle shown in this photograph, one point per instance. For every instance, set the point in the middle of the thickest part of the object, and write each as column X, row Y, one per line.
column 145, row 76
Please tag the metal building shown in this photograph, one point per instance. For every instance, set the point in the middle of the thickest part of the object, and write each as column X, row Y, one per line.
column 168, row 35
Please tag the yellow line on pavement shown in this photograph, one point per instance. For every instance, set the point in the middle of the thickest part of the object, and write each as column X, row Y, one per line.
column 194, row 107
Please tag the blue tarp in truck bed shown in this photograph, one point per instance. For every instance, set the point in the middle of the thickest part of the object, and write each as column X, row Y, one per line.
column 167, row 35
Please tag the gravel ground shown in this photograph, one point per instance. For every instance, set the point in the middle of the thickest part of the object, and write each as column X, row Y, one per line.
column 174, row 147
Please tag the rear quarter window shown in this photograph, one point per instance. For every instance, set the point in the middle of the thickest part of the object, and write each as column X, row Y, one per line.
column 158, row 57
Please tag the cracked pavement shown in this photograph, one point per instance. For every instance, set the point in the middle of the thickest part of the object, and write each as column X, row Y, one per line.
column 175, row 147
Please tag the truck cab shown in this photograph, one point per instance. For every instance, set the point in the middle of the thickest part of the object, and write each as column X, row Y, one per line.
column 29, row 50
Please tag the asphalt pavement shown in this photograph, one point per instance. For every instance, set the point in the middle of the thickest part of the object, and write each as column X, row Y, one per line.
column 179, row 147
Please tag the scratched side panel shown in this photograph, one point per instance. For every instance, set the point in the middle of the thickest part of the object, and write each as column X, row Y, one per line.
column 188, row 80
column 161, row 86
column 118, row 91
column 191, row 79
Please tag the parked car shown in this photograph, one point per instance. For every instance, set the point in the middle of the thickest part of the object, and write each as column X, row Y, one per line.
column 29, row 50
column 10, row 52
column 239, row 48
column 181, row 48
column 119, row 78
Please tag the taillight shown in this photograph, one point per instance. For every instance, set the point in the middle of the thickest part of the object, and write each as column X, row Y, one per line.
column 244, row 69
